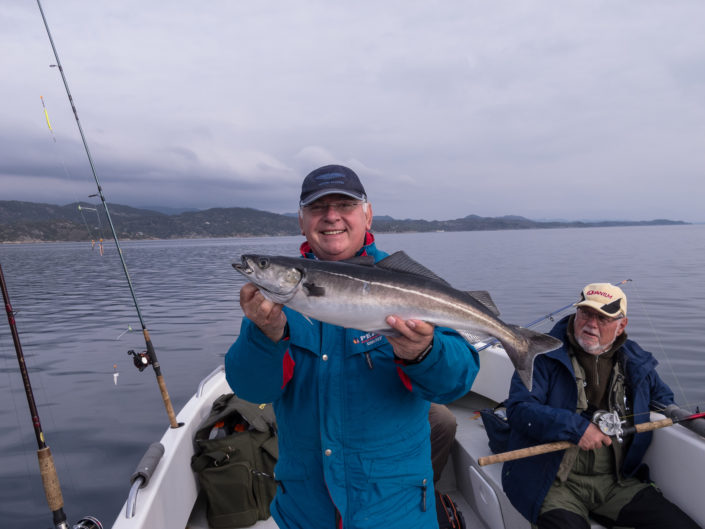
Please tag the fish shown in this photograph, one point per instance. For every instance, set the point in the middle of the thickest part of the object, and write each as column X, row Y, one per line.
column 359, row 294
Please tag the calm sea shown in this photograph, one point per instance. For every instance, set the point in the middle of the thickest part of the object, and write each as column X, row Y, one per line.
column 74, row 312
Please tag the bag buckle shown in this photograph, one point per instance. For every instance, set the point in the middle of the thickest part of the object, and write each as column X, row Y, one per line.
column 218, row 462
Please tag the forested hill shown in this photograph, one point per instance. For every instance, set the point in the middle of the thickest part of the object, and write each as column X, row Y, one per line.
column 30, row 221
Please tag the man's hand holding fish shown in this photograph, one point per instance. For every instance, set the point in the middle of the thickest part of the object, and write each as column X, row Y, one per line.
column 415, row 338
column 266, row 314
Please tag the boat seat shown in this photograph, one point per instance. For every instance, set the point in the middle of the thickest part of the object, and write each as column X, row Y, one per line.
column 481, row 486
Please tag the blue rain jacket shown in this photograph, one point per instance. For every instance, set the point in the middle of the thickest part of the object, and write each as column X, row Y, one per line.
column 354, row 440
column 548, row 413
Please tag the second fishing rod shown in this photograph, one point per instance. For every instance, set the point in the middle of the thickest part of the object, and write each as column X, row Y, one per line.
column 548, row 316
column 148, row 357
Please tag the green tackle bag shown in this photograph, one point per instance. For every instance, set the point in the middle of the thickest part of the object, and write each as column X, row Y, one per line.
column 235, row 450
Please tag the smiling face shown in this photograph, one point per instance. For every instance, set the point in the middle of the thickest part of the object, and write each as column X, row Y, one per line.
column 335, row 226
column 594, row 332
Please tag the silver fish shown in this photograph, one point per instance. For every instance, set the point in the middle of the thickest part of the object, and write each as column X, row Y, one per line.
column 360, row 294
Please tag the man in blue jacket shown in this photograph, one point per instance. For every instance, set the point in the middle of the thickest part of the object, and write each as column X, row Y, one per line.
column 597, row 368
column 352, row 406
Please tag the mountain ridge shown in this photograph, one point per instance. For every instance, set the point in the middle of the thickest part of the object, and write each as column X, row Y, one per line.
column 31, row 221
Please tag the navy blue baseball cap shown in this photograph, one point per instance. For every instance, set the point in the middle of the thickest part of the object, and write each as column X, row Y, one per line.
column 330, row 180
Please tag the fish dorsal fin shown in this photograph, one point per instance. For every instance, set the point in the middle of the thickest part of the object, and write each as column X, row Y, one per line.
column 400, row 262
column 484, row 297
column 360, row 260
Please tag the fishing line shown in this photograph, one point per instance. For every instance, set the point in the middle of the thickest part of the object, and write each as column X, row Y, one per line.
column 59, row 155
column 129, row 328
column 150, row 353
column 661, row 348
column 100, row 228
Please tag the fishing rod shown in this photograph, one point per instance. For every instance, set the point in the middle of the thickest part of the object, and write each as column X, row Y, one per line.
column 548, row 316
column 149, row 356
column 609, row 424
column 47, row 469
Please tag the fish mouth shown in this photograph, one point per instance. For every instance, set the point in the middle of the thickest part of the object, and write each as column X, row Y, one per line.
column 243, row 266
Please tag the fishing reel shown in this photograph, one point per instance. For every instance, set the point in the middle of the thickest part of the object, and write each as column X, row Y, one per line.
column 88, row 523
column 609, row 423
column 141, row 360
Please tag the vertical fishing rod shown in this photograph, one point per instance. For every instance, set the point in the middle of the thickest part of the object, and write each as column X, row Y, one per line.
column 47, row 469
column 151, row 356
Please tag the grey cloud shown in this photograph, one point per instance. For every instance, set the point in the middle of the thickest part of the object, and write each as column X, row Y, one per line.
column 447, row 109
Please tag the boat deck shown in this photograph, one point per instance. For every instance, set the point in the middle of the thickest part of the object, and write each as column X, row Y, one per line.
column 470, row 438
column 169, row 498
column 476, row 490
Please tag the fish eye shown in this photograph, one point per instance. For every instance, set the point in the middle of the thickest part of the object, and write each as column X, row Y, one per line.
column 263, row 262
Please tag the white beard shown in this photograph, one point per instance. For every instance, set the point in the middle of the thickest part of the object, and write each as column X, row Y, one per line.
column 595, row 349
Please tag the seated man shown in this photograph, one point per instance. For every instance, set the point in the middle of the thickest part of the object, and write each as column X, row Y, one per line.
column 597, row 368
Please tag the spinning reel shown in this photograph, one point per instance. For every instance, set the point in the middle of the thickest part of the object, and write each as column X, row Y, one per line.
column 141, row 360
column 609, row 423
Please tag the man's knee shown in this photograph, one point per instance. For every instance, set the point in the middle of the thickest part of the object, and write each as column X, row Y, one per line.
column 649, row 508
column 442, row 420
column 561, row 519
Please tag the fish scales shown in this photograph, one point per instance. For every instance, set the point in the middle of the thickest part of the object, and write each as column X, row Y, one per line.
column 372, row 295
column 360, row 294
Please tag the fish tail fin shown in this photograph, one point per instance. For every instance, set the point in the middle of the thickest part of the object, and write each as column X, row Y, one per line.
column 523, row 351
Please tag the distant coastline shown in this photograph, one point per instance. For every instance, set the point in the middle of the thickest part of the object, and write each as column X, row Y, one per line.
column 37, row 222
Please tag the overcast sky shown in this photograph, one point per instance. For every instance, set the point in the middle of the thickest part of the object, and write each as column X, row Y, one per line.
column 547, row 109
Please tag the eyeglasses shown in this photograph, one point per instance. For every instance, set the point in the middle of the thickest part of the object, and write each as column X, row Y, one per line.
column 319, row 208
column 586, row 314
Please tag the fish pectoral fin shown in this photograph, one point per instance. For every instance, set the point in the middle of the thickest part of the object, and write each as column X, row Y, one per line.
column 485, row 299
column 313, row 290
column 307, row 319
column 400, row 262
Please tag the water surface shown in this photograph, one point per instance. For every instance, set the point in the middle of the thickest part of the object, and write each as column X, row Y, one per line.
column 74, row 307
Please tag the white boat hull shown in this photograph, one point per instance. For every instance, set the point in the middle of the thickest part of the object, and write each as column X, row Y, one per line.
column 676, row 458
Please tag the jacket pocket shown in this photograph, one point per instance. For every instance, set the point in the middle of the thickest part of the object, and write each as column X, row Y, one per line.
column 289, row 471
column 397, row 485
